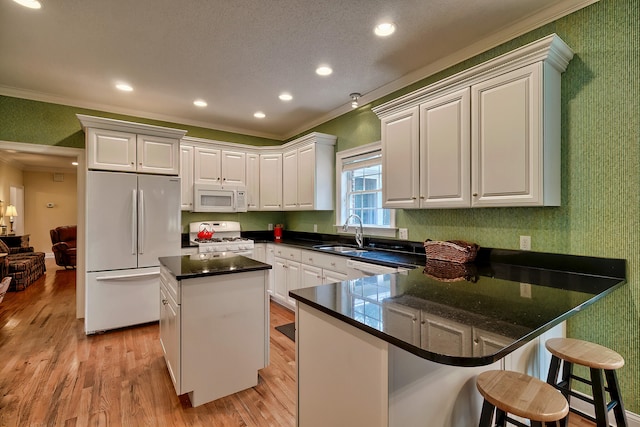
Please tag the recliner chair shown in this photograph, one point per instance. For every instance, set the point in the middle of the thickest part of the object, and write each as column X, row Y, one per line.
column 64, row 245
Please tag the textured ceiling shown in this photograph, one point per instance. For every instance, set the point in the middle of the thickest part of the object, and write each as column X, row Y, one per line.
column 239, row 55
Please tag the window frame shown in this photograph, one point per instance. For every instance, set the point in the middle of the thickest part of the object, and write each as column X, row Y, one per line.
column 340, row 211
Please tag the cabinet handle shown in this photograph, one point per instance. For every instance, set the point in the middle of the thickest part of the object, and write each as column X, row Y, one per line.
column 224, row 179
column 475, row 194
column 422, row 197
column 132, row 163
column 284, row 266
column 165, row 301
column 413, row 198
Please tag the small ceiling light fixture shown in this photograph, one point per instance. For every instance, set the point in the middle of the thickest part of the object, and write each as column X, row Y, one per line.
column 354, row 99
column 200, row 103
column 284, row 96
column 324, row 70
column 31, row 4
column 385, row 29
column 124, row 87
column 259, row 115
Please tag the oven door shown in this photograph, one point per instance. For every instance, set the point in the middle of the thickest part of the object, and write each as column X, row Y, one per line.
column 211, row 199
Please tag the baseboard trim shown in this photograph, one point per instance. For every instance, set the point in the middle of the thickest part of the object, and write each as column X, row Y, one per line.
column 632, row 418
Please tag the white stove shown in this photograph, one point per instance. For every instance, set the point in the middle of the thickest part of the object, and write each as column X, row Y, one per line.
column 225, row 239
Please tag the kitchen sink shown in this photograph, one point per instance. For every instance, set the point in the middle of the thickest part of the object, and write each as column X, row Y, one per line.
column 341, row 249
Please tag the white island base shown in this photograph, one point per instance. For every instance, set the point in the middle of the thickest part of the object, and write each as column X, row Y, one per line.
column 347, row 377
column 214, row 332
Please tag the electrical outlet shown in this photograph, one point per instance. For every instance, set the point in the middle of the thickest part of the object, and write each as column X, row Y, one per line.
column 525, row 290
column 315, row 228
column 525, row 243
column 270, row 226
column 403, row 234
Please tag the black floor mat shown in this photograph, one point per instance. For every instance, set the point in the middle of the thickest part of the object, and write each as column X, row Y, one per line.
column 289, row 330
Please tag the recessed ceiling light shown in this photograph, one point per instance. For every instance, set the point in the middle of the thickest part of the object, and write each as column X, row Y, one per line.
column 74, row 163
column 31, row 4
column 200, row 103
column 124, row 87
column 259, row 115
column 324, row 70
column 385, row 29
column 284, row 96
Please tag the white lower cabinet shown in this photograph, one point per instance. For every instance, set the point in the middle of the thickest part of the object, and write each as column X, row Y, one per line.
column 214, row 332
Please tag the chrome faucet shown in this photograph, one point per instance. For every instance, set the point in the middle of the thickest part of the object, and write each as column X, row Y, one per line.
column 359, row 233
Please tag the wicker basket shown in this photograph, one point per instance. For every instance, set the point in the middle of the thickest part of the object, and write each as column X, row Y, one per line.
column 457, row 251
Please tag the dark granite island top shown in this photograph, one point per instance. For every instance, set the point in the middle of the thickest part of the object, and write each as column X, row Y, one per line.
column 513, row 296
column 209, row 264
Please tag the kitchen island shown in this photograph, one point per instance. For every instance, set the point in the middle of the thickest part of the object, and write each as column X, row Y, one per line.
column 214, row 323
column 404, row 349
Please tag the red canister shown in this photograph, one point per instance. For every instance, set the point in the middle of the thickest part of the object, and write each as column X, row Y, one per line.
column 277, row 232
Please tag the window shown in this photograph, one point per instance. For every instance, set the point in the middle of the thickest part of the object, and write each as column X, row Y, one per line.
column 359, row 189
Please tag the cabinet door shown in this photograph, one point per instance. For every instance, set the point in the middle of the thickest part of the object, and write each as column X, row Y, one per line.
column 290, row 180
column 445, row 151
column 170, row 335
column 207, row 166
column 233, row 168
column 307, row 177
column 111, row 150
column 270, row 259
column 506, row 139
column 293, row 280
column 158, row 155
column 402, row 322
column 280, row 279
column 444, row 335
column 310, row 275
column 253, row 181
column 271, row 182
column 186, row 177
column 400, row 161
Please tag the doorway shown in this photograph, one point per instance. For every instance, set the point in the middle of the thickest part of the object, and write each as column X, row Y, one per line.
column 51, row 154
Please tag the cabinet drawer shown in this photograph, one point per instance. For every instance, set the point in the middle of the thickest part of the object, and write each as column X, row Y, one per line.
column 292, row 254
column 325, row 261
column 170, row 283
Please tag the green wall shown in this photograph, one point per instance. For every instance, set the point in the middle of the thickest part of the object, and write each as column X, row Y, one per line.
column 600, row 212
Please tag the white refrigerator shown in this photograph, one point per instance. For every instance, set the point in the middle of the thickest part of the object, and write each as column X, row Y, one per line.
column 132, row 219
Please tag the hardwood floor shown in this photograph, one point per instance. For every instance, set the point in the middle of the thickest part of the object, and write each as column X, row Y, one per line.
column 52, row 374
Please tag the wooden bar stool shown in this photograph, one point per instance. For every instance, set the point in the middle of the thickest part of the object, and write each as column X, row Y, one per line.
column 507, row 392
column 600, row 360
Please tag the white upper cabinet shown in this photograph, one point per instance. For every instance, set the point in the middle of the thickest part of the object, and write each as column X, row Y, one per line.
column 445, row 151
column 271, row 182
column 116, row 145
column 509, row 144
column 488, row 136
column 206, row 165
column 186, row 177
column 400, row 159
column 307, row 173
column 253, row 181
column 234, row 167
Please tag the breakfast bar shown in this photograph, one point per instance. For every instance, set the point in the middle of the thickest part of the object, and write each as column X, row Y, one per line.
column 405, row 349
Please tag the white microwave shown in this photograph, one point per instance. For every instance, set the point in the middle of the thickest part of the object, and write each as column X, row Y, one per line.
column 219, row 198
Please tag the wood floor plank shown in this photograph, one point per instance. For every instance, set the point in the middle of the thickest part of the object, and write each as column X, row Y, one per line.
column 52, row 374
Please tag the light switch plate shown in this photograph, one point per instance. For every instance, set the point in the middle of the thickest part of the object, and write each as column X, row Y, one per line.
column 403, row 233
column 525, row 290
column 525, row 243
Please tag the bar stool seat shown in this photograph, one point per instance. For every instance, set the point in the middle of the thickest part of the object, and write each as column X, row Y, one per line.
column 507, row 392
column 602, row 363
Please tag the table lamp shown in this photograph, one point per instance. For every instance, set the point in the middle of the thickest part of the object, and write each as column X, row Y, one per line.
column 11, row 212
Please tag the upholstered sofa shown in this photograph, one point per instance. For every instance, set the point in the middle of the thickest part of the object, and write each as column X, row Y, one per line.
column 25, row 266
column 64, row 245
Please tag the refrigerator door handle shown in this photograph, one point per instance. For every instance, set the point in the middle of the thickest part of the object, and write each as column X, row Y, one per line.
column 134, row 216
column 141, row 229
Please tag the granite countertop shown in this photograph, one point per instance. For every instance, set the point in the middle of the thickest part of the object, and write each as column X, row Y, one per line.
column 209, row 264
column 485, row 298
